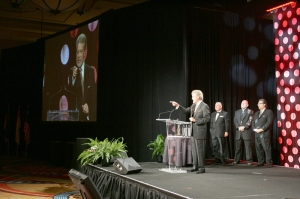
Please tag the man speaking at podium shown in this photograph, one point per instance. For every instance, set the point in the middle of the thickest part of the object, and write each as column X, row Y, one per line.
column 82, row 82
column 199, row 116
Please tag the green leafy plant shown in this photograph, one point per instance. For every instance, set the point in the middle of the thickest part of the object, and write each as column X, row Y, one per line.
column 102, row 150
column 158, row 145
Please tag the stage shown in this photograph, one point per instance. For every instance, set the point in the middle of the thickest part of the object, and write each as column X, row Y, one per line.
column 219, row 181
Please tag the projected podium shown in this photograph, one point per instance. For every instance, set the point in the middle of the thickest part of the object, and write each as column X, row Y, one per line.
column 66, row 102
column 177, row 145
column 63, row 115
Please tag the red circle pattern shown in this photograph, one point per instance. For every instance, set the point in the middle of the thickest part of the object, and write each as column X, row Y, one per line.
column 287, row 30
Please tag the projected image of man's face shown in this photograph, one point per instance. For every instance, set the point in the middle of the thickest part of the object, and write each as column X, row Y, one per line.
column 80, row 54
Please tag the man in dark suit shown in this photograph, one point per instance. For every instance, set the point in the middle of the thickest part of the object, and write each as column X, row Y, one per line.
column 242, row 122
column 219, row 128
column 82, row 82
column 199, row 116
column 262, row 123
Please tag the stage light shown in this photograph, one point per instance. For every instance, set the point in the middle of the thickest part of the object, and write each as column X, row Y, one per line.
column 282, row 5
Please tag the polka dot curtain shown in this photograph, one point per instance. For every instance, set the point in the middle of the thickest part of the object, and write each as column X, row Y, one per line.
column 287, row 49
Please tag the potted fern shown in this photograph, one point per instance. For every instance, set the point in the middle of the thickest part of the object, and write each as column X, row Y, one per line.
column 102, row 150
column 158, row 146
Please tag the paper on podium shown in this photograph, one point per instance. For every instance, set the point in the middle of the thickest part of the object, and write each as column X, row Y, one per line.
column 162, row 120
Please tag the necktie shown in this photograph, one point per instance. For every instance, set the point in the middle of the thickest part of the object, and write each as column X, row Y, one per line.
column 242, row 116
column 217, row 116
column 260, row 113
column 78, row 78
column 195, row 110
column 82, row 84
column 78, row 83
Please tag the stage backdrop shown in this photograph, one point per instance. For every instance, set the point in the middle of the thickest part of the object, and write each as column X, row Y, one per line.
column 150, row 54
column 142, row 69
column 287, row 48
column 230, row 58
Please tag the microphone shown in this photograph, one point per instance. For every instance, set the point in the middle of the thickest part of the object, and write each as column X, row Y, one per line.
column 78, row 69
column 72, row 68
column 166, row 112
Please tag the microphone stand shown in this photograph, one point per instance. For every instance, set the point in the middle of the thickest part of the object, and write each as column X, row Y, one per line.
column 171, row 113
column 165, row 112
column 53, row 96
column 75, row 97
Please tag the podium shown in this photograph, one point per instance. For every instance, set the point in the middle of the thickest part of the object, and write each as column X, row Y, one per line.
column 177, row 143
column 64, row 107
column 63, row 115
column 177, row 128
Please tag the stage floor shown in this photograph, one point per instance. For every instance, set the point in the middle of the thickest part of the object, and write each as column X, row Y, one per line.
column 224, row 181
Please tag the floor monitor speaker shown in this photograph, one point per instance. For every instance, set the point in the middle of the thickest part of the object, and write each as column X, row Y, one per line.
column 126, row 166
column 85, row 185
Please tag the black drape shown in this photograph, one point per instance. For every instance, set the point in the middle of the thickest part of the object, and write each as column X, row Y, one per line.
column 230, row 58
column 112, row 185
column 21, row 70
column 141, row 70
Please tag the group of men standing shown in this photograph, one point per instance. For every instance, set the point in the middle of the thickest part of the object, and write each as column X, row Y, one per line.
column 245, row 123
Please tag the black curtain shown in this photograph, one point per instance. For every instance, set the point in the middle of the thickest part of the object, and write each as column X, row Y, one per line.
column 230, row 58
column 112, row 185
column 140, row 71
column 21, row 73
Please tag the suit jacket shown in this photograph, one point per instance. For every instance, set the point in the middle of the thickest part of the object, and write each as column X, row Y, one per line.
column 202, row 117
column 263, row 122
column 90, row 92
column 220, row 126
column 245, row 121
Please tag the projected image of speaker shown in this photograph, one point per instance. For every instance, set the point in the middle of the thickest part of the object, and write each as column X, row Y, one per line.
column 126, row 166
column 85, row 185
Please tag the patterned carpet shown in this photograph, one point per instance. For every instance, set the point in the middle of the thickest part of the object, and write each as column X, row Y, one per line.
column 24, row 178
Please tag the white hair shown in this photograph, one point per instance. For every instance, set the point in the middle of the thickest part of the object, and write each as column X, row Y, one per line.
column 199, row 93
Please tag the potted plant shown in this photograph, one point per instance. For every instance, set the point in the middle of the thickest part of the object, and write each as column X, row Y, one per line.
column 102, row 150
column 158, row 146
